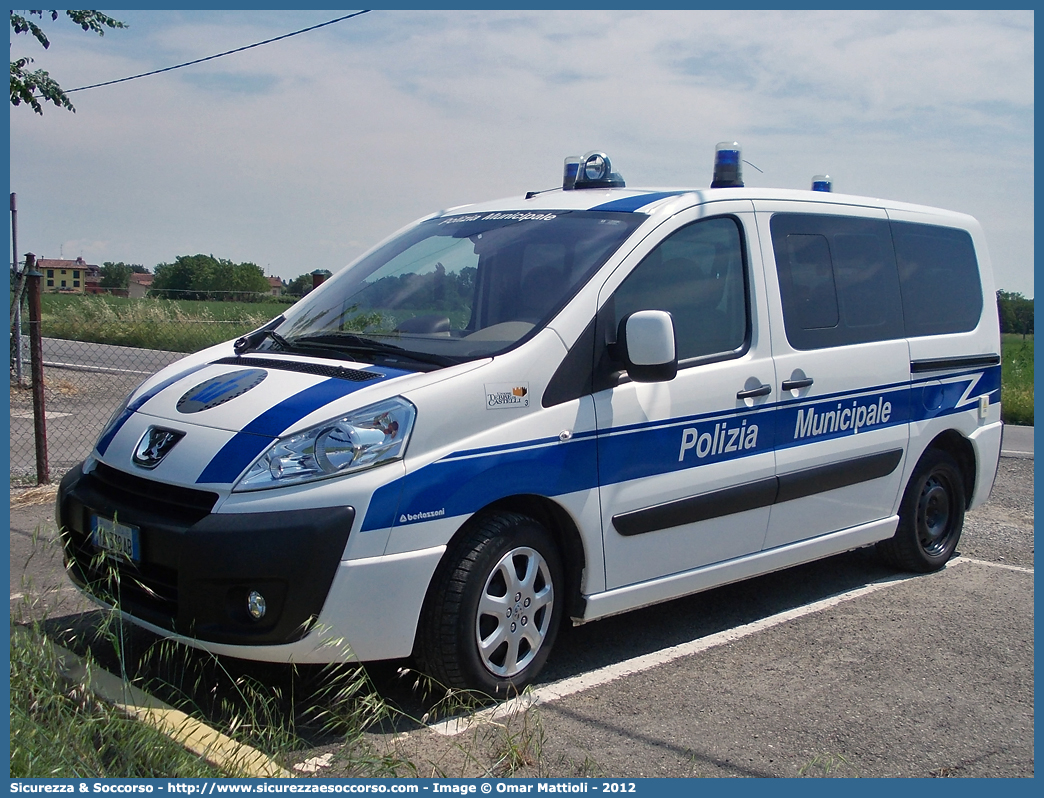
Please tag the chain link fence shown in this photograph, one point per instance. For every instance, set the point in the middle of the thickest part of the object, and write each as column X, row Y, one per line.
column 85, row 379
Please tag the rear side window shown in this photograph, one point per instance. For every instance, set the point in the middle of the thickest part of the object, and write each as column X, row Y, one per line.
column 837, row 280
column 939, row 276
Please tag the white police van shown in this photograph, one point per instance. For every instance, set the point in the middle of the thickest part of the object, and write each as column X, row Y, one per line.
column 561, row 406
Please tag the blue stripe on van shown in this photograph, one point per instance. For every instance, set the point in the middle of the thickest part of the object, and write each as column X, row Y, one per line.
column 631, row 204
column 453, row 487
column 110, row 432
column 464, row 482
column 257, row 435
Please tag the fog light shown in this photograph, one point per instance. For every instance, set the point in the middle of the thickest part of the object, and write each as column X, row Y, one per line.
column 256, row 605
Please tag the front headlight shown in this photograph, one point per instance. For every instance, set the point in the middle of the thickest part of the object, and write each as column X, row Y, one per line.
column 362, row 439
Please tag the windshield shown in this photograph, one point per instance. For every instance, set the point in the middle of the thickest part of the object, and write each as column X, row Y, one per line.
column 454, row 288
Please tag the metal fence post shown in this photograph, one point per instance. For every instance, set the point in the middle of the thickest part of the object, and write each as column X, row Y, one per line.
column 18, row 277
column 36, row 364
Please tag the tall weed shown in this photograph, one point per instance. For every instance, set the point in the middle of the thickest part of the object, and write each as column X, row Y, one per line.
column 60, row 730
column 146, row 323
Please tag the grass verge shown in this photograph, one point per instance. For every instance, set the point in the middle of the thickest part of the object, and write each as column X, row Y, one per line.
column 1017, row 380
column 151, row 323
column 61, row 730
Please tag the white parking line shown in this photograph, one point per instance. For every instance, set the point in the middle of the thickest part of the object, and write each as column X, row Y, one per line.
column 1019, row 568
column 28, row 414
column 1017, row 453
column 601, row 676
column 100, row 369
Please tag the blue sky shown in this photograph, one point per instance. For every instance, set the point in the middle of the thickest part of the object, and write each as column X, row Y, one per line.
column 301, row 154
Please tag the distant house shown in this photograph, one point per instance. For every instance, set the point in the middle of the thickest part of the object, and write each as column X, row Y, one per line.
column 139, row 285
column 275, row 286
column 67, row 276
column 92, row 282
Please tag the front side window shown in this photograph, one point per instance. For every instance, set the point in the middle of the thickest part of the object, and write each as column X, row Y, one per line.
column 455, row 288
column 697, row 274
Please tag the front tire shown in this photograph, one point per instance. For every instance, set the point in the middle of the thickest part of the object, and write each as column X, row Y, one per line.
column 494, row 606
column 931, row 516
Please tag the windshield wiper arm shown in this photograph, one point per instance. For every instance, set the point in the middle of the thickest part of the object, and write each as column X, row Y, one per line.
column 252, row 340
column 357, row 343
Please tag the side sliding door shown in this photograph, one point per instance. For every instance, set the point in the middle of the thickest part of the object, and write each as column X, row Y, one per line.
column 842, row 369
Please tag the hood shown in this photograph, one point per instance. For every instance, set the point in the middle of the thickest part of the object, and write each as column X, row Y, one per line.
column 226, row 411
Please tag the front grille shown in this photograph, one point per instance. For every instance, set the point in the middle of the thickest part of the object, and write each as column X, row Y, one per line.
column 315, row 369
column 120, row 489
column 162, row 513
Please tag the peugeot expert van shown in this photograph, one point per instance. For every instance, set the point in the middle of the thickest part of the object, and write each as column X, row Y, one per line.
column 553, row 408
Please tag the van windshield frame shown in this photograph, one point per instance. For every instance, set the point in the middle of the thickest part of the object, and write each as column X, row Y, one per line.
column 454, row 288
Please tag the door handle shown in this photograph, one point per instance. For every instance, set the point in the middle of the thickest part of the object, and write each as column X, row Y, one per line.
column 793, row 385
column 761, row 390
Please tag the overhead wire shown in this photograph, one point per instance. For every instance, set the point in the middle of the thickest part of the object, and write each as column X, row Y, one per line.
column 219, row 55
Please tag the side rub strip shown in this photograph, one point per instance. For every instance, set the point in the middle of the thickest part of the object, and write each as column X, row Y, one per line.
column 758, row 494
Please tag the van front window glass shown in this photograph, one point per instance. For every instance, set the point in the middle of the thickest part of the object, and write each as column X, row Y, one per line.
column 697, row 275
column 455, row 288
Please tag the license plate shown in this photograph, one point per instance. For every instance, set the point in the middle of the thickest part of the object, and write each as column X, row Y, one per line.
column 122, row 540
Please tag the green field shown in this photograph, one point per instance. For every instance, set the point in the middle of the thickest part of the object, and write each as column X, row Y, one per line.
column 171, row 325
column 1017, row 379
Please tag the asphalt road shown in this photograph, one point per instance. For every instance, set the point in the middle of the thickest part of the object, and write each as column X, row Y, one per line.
column 838, row 668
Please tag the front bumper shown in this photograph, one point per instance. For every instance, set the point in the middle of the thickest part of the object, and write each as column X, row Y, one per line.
column 197, row 567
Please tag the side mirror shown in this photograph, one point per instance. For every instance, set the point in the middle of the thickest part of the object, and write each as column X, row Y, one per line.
column 646, row 345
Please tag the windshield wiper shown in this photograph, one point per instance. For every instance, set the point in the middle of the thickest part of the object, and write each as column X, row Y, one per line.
column 252, row 340
column 356, row 343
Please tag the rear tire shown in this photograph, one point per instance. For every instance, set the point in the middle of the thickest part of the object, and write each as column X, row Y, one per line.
column 931, row 516
column 494, row 606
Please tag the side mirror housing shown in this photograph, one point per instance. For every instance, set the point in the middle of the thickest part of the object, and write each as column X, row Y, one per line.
column 646, row 345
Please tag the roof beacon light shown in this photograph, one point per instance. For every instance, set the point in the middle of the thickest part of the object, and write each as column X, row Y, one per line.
column 821, row 183
column 727, row 171
column 572, row 166
column 595, row 170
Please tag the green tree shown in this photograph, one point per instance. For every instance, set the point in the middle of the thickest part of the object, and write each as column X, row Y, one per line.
column 1016, row 313
column 300, row 285
column 30, row 87
column 207, row 277
column 117, row 275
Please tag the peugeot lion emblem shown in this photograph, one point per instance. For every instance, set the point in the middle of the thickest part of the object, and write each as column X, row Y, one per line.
column 154, row 445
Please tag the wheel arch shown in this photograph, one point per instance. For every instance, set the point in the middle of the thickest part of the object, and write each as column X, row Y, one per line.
column 565, row 532
column 961, row 450
column 562, row 528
